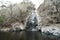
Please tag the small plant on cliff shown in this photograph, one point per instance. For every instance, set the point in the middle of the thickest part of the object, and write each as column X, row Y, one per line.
column 2, row 19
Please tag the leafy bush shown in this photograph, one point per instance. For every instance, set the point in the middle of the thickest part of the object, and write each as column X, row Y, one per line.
column 2, row 19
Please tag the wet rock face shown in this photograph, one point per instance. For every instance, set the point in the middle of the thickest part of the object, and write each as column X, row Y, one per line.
column 49, row 12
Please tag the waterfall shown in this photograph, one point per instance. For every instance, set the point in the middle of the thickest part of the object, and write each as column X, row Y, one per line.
column 31, row 22
column 33, row 15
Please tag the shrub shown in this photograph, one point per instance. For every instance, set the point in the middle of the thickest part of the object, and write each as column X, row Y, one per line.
column 2, row 19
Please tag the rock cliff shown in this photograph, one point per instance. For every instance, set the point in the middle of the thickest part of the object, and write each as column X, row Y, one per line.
column 49, row 11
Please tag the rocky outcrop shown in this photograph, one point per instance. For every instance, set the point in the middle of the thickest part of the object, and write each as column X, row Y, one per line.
column 49, row 12
column 17, row 26
column 51, row 30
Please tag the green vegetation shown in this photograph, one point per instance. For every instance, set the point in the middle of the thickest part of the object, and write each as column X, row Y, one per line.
column 2, row 19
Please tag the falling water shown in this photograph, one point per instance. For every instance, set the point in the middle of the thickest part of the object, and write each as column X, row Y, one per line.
column 31, row 22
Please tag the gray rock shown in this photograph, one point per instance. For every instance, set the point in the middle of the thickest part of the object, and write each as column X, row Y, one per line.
column 51, row 30
column 49, row 11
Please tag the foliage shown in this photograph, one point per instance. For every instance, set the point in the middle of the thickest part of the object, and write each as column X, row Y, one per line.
column 2, row 19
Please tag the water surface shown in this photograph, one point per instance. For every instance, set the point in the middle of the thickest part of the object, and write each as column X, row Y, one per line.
column 26, row 36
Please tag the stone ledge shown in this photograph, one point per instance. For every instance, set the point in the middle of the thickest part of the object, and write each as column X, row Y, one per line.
column 54, row 30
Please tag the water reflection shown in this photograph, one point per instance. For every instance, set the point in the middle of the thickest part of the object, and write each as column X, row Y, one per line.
column 25, row 36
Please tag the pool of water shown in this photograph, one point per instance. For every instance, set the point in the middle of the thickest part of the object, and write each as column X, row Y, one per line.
column 26, row 35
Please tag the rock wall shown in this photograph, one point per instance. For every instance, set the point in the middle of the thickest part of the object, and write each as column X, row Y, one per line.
column 49, row 12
